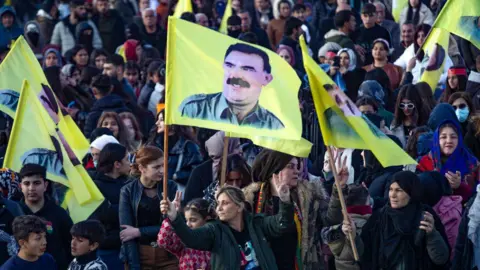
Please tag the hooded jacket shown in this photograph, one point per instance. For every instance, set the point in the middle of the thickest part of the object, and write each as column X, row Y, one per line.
column 111, row 29
column 32, row 29
column 11, row 33
column 63, row 36
column 340, row 38
column 110, row 102
column 46, row 23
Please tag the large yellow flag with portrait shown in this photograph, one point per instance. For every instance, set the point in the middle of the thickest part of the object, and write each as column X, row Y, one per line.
column 36, row 139
column 21, row 64
column 217, row 82
column 435, row 50
column 342, row 124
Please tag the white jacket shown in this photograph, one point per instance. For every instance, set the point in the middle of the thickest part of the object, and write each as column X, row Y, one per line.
column 425, row 16
column 417, row 70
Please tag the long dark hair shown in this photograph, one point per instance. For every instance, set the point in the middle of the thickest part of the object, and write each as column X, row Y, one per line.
column 462, row 86
column 425, row 28
column 411, row 147
column 468, row 99
column 412, row 16
column 236, row 163
column 420, row 112
column 111, row 153
column 426, row 94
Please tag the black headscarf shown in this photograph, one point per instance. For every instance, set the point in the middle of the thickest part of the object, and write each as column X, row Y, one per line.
column 267, row 163
column 434, row 186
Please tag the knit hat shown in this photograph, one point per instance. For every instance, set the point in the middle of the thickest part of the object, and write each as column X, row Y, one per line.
column 103, row 140
column 267, row 163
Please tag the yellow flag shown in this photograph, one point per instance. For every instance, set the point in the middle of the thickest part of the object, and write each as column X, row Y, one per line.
column 36, row 139
column 397, row 7
column 300, row 148
column 461, row 17
column 342, row 124
column 436, row 53
column 21, row 64
column 228, row 12
column 183, row 6
column 232, row 86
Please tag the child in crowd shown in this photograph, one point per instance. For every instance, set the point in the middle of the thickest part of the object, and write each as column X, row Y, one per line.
column 197, row 213
column 30, row 233
column 86, row 238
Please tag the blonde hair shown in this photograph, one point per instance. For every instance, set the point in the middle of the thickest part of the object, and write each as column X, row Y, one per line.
column 235, row 194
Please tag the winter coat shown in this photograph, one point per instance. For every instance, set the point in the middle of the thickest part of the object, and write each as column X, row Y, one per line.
column 157, row 95
column 394, row 29
column 340, row 38
column 145, row 95
column 47, row 24
column 127, row 9
column 188, row 259
column 313, row 203
column 7, row 35
column 449, row 210
column 182, row 158
column 38, row 49
column 63, row 37
column 425, row 16
column 464, row 254
column 130, row 196
column 340, row 245
column 110, row 103
column 399, row 132
column 200, row 178
column 218, row 238
column 111, row 29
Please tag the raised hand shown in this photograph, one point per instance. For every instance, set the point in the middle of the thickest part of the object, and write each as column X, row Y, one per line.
column 169, row 208
column 348, row 227
column 279, row 182
column 454, row 179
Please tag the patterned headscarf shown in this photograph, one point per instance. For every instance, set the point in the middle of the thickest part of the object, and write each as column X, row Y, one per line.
column 10, row 183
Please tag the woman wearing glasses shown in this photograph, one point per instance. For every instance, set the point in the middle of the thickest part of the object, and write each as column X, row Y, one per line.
column 409, row 113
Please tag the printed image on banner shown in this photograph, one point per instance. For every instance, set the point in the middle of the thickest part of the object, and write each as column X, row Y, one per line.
column 232, row 86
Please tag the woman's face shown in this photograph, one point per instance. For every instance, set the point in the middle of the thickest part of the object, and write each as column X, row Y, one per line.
column 143, row 4
column 397, row 196
column 420, row 38
column 153, row 171
column 344, row 60
column 292, row 172
column 448, row 141
column 51, row 60
column 234, row 179
column 227, row 210
column 160, row 123
column 111, row 124
column 81, row 58
column 414, row 3
column 99, row 61
column 194, row 219
column 236, row 5
column 379, row 52
column 286, row 56
column 407, row 107
column 453, row 81
column 460, row 103
column 130, row 129
column 74, row 79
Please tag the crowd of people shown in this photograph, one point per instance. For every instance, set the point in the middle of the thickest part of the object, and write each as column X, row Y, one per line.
column 105, row 62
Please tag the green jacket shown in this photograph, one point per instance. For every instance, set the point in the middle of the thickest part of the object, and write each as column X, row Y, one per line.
column 217, row 238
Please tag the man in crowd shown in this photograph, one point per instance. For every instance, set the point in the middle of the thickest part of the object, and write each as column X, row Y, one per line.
column 202, row 19
column 276, row 27
column 151, row 32
column 263, row 12
column 36, row 202
column 391, row 26
column 291, row 36
column 114, row 68
column 408, row 35
column 369, row 32
column 234, row 26
column 247, row 27
column 110, row 26
column 345, row 23
column 64, row 32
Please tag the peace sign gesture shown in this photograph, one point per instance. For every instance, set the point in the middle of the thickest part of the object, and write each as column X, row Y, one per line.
column 279, row 182
column 342, row 168
column 171, row 208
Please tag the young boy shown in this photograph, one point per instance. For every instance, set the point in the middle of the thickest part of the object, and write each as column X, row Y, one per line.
column 86, row 238
column 30, row 233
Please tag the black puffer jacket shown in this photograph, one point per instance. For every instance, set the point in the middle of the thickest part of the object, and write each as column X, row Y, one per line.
column 130, row 196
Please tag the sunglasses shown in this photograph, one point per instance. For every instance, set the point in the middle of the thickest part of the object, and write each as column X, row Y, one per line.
column 404, row 106
column 461, row 106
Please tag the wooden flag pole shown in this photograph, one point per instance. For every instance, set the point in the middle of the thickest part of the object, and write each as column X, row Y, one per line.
column 342, row 201
column 224, row 160
column 165, row 163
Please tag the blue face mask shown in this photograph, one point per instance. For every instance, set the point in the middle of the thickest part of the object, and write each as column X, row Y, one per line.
column 462, row 114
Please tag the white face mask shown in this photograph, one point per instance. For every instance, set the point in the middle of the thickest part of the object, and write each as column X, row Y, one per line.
column 95, row 163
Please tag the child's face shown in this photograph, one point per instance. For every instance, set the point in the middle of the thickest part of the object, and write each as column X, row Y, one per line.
column 36, row 244
column 194, row 220
column 81, row 246
column 131, row 76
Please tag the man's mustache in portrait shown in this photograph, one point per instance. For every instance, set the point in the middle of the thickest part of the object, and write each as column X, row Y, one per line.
column 239, row 82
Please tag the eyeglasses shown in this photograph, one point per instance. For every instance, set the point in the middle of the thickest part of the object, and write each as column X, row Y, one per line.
column 461, row 106
column 404, row 106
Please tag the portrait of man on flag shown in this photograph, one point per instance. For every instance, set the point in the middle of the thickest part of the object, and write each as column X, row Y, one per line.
column 247, row 71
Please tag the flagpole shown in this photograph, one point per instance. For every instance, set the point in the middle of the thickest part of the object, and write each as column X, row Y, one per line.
column 224, row 160
column 165, row 163
column 342, row 201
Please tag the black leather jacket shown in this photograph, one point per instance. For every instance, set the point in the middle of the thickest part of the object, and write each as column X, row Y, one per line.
column 130, row 196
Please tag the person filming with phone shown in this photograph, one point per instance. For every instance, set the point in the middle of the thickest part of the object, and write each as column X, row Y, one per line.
column 346, row 74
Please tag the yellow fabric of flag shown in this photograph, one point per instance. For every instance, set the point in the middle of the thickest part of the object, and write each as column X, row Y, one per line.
column 36, row 139
column 397, row 7
column 461, row 17
column 228, row 12
column 342, row 124
column 21, row 64
column 231, row 85
column 183, row 6
column 299, row 148
column 435, row 48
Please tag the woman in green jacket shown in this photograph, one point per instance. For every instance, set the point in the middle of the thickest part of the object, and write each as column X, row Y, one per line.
column 237, row 240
